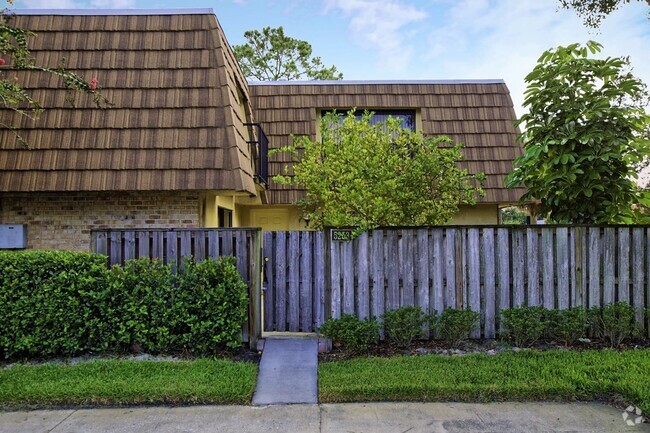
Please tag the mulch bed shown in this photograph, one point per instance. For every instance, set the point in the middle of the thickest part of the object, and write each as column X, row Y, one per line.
column 488, row 347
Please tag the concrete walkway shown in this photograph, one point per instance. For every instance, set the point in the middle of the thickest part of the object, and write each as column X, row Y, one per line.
column 329, row 418
column 288, row 372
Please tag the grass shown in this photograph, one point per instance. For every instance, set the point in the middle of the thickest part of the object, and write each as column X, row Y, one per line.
column 122, row 382
column 508, row 376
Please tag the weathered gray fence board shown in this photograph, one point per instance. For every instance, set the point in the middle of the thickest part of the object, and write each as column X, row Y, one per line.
column 562, row 243
column 474, row 278
column 594, row 267
column 281, row 282
column 143, row 244
column 624, row 265
column 362, row 298
column 269, row 283
column 518, row 269
column 437, row 266
column 407, row 269
column 450, row 268
column 186, row 246
column 503, row 251
column 306, row 287
column 335, row 280
column 200, row 239
column 534, row 297
column 116, row 248
column 293, row 295
column 347, row 270
column 637, row 273
column 318, row 299
column 378, row 280
column 647, row 280
column 489, row 286
column 422, row 266
column 548, row 278
column 609, row 268
column 392, row 271
column 129, row 245
column 226, row 241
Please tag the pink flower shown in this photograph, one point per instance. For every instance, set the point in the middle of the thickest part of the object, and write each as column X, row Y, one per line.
column 2, row 61
column 93, row 84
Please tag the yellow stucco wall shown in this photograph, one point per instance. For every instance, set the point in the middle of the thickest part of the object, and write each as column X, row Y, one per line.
column 213, row 201
column 271, row 218
column 481, row 214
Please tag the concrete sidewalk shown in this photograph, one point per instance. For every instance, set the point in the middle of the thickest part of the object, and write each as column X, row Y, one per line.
column 288, row 372
column 329, row 418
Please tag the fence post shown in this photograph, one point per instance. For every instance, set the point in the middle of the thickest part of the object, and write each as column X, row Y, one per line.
column 255, row 302
column 579, row 286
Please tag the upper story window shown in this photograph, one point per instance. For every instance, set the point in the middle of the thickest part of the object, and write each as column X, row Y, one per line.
column 379, row 116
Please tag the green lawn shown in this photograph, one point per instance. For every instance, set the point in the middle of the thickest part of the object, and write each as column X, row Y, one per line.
column 522, row 376
column 121, row 382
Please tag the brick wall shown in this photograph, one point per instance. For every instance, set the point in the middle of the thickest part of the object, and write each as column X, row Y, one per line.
column 63, row 221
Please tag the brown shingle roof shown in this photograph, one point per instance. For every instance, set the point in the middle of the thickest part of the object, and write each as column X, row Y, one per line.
column 176, row 122
column 478, row 114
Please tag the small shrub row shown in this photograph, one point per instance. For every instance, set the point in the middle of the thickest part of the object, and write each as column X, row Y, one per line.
column 401, row 326
column 613, row 323
column 66, row 303
column 523, row 326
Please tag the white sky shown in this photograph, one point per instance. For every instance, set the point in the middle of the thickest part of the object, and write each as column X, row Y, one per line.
column 421, row 39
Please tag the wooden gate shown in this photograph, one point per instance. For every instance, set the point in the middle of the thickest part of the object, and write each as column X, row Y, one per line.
column 173, row 245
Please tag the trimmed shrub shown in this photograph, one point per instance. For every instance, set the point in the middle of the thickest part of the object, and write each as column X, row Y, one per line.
column 455, row 325
column 211, row 305
column 567, row 325
column 66, row 303
column 140, row 310
column 524, row 325
column 351, row 334
column 403, row 325
column 614, row 322
column 50, row 302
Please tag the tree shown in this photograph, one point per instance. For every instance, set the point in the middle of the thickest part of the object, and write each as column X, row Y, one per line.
column 15, row 56
column 594, row 11
column 270, row 55
column 584, row 137
column 369, row 176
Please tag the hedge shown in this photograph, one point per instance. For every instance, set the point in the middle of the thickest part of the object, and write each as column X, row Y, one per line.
column 68, row 303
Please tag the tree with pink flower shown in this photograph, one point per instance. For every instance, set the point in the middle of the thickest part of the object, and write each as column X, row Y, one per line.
column 15, row 56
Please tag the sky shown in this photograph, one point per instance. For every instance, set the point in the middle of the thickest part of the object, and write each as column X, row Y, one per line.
column 420, row 39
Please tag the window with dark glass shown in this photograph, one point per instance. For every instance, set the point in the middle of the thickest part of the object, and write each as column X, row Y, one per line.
column 379, row 116
column 225, row 216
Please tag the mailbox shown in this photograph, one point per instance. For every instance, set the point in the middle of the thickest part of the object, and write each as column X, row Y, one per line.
column 13, row 236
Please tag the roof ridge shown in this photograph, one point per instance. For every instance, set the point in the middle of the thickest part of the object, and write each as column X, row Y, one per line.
column 361, row 82
column 72, row 12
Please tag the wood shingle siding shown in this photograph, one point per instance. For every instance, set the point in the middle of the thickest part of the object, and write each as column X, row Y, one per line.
column 176, row 121
column 478, row 114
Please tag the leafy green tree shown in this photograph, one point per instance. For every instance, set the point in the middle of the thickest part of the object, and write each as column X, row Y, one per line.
column 369, row 176
column 15, row 56
column 512, row 215
column 270, row 55
column 594, row 11
column 584, row 137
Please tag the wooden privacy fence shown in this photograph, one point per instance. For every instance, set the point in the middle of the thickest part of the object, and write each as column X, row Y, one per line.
column 173, row 245
column 310, row 277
